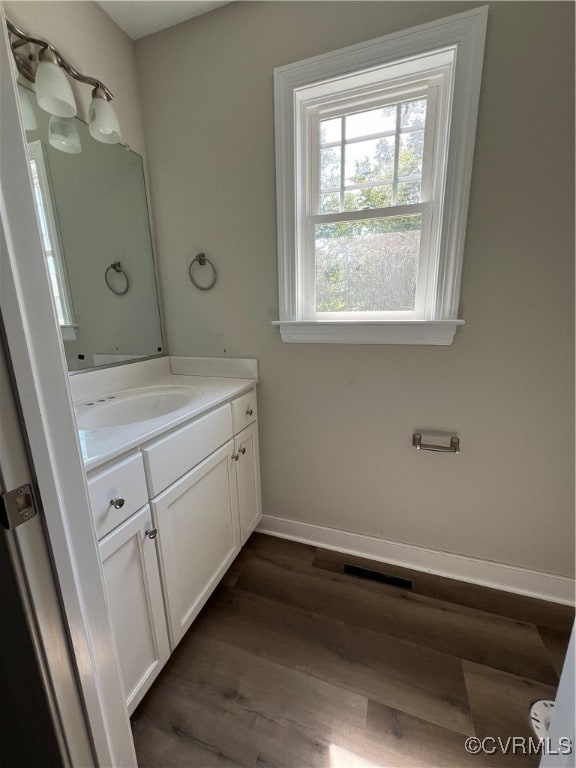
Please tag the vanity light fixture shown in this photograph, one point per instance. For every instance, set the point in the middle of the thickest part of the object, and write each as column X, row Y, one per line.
column 63, row 135
column 103, row 123
column 39, row 62
column 53, row 90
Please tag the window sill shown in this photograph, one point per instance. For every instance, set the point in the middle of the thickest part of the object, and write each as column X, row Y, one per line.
column 435, row 332
column 69, row 332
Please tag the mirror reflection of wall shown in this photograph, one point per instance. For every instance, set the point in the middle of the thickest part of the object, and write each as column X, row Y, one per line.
column 93, row 214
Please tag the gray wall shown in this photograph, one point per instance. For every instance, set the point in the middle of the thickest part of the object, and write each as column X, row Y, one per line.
column 336, row 421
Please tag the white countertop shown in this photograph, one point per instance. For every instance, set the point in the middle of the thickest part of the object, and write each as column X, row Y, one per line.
column 102, row 445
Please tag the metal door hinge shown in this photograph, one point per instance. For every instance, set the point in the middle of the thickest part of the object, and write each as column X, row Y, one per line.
column 17, row 506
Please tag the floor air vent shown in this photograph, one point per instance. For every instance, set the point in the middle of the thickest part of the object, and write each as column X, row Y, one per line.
column 383, row 578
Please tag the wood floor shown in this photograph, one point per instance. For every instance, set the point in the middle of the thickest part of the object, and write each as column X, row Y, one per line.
column 294, row 663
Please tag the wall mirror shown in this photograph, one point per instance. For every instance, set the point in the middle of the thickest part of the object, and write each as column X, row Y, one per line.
column 93, row 214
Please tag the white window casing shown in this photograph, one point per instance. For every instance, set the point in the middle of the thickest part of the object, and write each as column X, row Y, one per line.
column 440, row 62
column 51, row 241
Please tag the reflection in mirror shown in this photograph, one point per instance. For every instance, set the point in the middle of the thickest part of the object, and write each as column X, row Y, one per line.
column 92, row 211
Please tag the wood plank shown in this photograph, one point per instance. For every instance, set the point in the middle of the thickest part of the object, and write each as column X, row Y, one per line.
column 161, row 740
column 556, row 644
column 232, row 575
column 457, row 630
column 280, row 551
column 172, row 728
column 397, row 739
column 245, row 682
column 508, row 604
column 500, row 704
column 422, row 682
column 220, row 706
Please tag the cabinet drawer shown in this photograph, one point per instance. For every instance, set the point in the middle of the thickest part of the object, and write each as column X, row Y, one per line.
column 125, row 482
column 171, row 457
column 244, row 410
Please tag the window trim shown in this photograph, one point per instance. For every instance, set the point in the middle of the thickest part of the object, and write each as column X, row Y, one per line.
column 69, row 328
column 465, row 32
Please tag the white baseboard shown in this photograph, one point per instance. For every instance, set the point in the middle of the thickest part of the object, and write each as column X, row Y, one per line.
column 509, row 578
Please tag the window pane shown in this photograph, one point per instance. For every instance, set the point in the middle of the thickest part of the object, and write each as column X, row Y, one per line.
column 330, row 203
column 55, row 289
column 413, row 114
column 408, row 192
column 371, row 160
column 367, row 266
column 410, row 155
column 329, row 168
column 374, row 121
column 331, row 131
column 375, row 197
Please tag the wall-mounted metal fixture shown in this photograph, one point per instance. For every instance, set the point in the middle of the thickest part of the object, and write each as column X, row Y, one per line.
column 41, row 63
column 119, row 270
column 454, row 446
column 202, row 261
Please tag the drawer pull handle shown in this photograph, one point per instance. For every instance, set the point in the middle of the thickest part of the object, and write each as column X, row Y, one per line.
column 242, row 451
column 151, row 533
column 235, row 456
column 249, row 412
column 117, row 503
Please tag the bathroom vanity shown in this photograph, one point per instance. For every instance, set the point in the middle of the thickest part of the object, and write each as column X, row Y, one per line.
column 172, row 461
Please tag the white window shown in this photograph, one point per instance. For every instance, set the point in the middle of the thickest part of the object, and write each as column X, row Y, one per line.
column 51, row 241
column 374, row 157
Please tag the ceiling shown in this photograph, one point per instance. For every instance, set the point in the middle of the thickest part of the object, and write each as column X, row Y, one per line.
column 139, row 18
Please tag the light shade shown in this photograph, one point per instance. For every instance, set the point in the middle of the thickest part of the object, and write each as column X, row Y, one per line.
column 63, row 135
column 53, row 91
column 104, row 124
column 27, row 110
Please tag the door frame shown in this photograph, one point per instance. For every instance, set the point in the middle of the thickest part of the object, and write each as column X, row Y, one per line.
column 41, row 642
column 41, row 378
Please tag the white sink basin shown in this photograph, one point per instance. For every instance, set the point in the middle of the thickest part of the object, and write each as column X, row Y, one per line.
column 134, row 406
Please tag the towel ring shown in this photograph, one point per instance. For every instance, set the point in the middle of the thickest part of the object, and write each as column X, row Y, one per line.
column 202, row 261
column 117, row 267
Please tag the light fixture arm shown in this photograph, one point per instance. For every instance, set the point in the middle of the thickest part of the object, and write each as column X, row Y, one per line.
column 26, row 64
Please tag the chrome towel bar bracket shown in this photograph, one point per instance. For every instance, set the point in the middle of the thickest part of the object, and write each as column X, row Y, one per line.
column 454, row 446
column 202, row 260
column 118, row 269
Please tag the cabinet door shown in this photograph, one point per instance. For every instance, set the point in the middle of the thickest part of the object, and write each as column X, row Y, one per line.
column 132, row 578
column 197, row 520
column 248, row 480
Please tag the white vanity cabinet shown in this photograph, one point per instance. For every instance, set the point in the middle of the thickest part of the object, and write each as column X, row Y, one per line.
column 197, row 518
column 123, row 521
column 247, row 459
column 171, row 517
column 204, row 516
column 132, row 579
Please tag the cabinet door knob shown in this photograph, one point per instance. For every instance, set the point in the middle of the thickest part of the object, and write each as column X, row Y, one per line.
column 249, row 412
column 151, row 533
column 235, row 456
column 242, row 451
column 117, row 503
